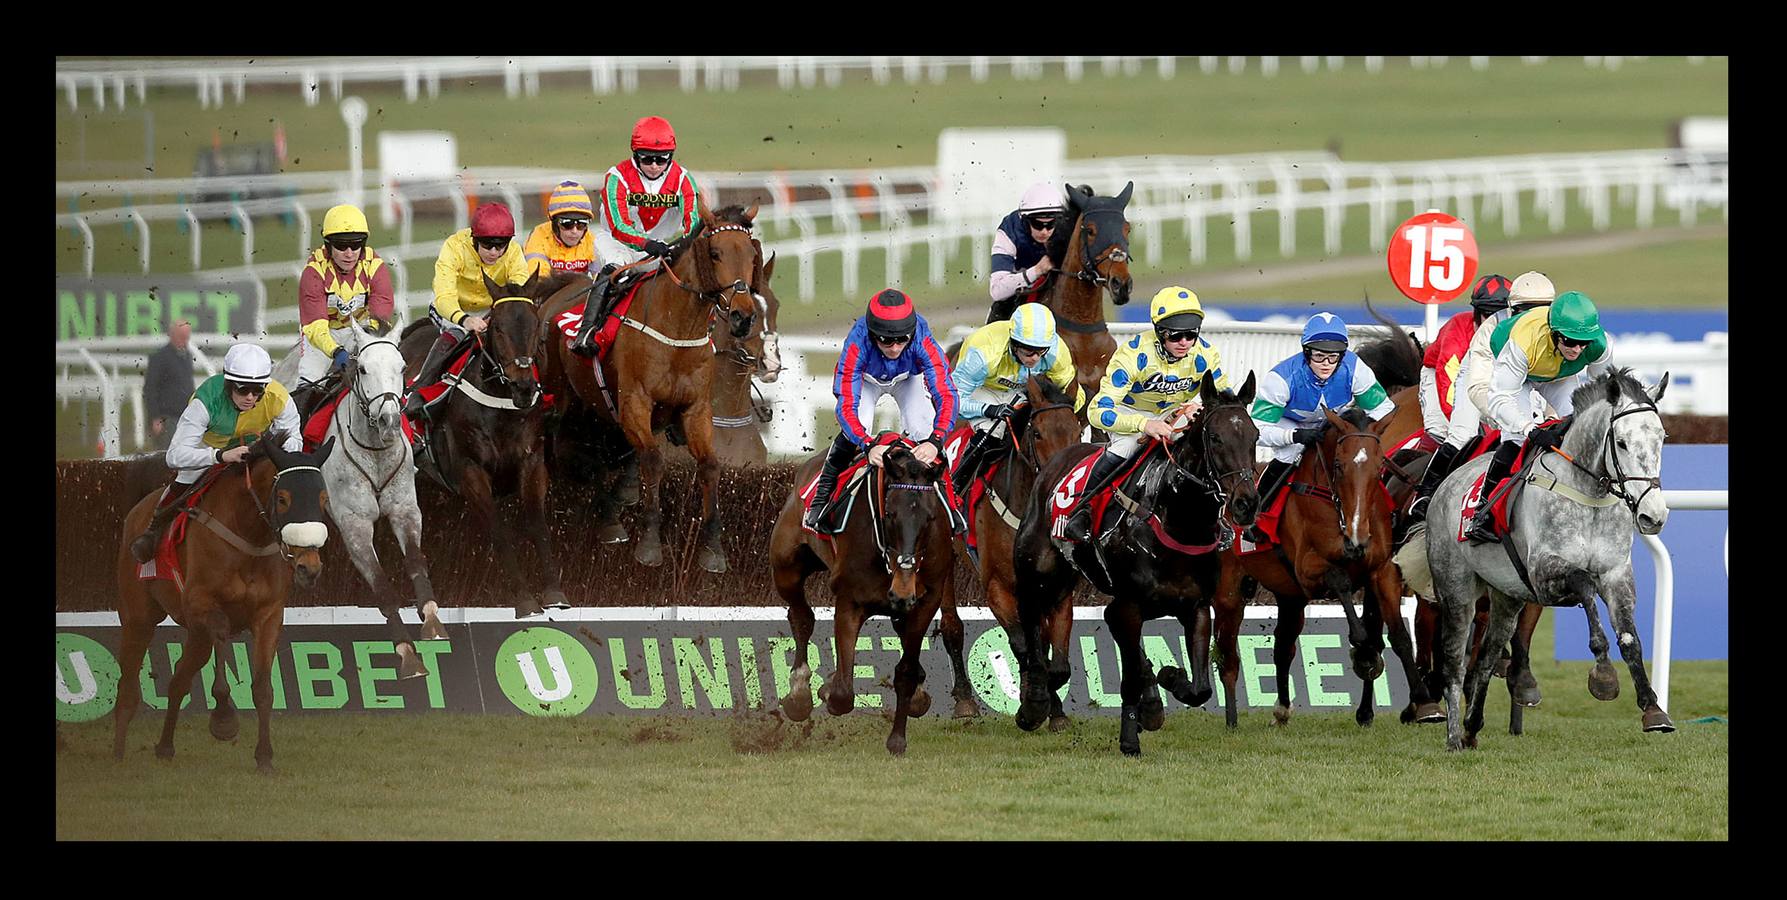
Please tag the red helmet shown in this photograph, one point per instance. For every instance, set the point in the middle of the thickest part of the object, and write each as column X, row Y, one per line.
column 654, row 133
column 891, row 314
column 492, row 220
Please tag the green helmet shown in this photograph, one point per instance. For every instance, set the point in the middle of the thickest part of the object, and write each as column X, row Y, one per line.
column 1573, row 315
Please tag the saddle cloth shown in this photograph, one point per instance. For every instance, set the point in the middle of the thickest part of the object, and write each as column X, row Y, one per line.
column 952, row 450
column 317, row 426
column 1498, row 498
column 846, row 484
column 166, row 564
column 571, row 318
column 1268, row 520
column 1068, row 489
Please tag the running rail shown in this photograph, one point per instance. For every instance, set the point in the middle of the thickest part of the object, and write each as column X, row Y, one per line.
column 1663, row 617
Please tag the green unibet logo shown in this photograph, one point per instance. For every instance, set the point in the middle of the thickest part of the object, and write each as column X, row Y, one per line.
column 86, row 679
column 993, row 670
column 546, row 672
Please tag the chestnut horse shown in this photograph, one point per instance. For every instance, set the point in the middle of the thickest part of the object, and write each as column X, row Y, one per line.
column 892, row 559
column 238, row 560
column 737, row 363
column 488, row 439
column 1095, row 258
column 661, row 367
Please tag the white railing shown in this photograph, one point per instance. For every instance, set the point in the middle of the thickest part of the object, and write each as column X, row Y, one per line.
column 1663, row 616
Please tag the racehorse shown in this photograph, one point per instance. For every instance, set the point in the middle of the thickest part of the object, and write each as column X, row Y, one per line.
column 1162, row 560
column 487, row 439
column 236, row 572
column 893, row 558
column 737, row 440
column 374, row 477
column 661, row 366
column 1334, row 540
column 1092, row 245
column 1571, row 539
column 1037, row 430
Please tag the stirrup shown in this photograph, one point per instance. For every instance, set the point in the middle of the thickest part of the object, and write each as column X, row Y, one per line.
column 1079, row 526
column 1418, row 509
column 1482, row 530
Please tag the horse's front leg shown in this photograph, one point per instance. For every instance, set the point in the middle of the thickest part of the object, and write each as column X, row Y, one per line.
column 405, row 518
column 909, row 675
column 636, row 422
column 1622, row 599
column 355, row 522
column 265, row 634
column 698, row 428
column 1226, row 613
column 1603, row 679
column 534, row 521
column 1284, row 650
column 1386, row 590
column 839, row 691
column 476, row 488
column 193, row 654
column 1125, row 621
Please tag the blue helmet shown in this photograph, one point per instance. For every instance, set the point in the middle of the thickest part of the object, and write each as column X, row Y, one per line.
column 1325, row 331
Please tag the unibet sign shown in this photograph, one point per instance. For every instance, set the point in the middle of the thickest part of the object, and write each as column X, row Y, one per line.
column 546, row 672
column 86, row 678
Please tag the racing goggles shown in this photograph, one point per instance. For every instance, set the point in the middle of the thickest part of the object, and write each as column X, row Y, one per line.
column 892, row 340
column 1324, row 356
column 1572, row 343
column 649, row 158
column 1027, row 350
column 1040, row 222
column 358, row 243
column 493, row 243
column 1183, row 334
column 568, row 222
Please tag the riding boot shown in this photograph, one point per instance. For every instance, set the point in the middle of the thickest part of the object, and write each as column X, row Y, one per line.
column 1002, row 309
column 1277, row 473
column 1482, row 530
column 970, row 461
column 595, row 315
column 430, row 372
column 1079, row 522
column 842, row 452
column 1437, row 469
column 143, row 548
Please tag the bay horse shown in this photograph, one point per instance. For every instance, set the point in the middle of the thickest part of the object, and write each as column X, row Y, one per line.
column 1042, row 426
column 238, row 560
column 1092, row 249
column 661, row 367
column 1334, row 541
column 1571, row 539
column 893, row 558
column 1162, row 561
column 487, row 440
column 738, row 363
column 374, row 477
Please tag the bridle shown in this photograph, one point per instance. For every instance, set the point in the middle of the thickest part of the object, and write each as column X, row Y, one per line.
column 365, row 402
column 1613, row 478
column 715, row 296
column 521, row 362
column 1115, row 251
column 1212, row 482
column 272, row 490
column 1332, row 492
column 878, row 505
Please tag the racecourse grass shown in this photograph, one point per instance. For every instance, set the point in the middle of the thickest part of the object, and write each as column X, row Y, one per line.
column 1583, row 770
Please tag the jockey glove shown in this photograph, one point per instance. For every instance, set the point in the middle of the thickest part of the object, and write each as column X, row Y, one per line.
column 657, row 248
column 1541, row 438
column 339, row 362
column 1308, row 437
column 996, row 411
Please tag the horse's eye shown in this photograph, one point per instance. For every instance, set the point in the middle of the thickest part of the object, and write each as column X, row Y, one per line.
column 714, row 254
column 283, row 501
column 1622, row 444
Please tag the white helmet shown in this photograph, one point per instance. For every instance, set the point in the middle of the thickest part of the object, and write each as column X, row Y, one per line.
column 248, row 364
column 1531, row 289
column 1042, row 197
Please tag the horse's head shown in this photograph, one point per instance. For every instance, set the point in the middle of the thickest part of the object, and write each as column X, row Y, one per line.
column 1226, row 437
column 1047, row 422
column 718, row 263
column 908, row 503
column 509, row 344
column 1352, row 446
column 768, row 308
column 300, row 504
column 1618, row 425
column 1099, row 249
column 375, row 378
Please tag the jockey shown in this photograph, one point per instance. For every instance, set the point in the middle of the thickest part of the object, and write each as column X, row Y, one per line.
column 562, row 243
column 1449, row 419
column 1552, row 350
column 228, row 412
column 1530, row 291
column 1293, row 396
column 1144, row 382
column 636, row 195
column 461, row 302
column 885, row 349
column 990, row 373
column 343, row 279
column 1020, row 260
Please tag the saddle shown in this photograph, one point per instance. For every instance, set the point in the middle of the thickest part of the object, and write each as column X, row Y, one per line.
column 569, row 319
column 1067, row 490
column 1501, row 494
column 980, row 487
column 850, row 483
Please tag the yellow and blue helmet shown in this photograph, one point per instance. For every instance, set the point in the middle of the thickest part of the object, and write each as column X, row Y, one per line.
column 1175, row 309
column 1033, row 326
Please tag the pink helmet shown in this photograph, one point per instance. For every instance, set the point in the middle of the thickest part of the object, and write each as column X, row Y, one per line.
column 492, row 220
column 654, row 133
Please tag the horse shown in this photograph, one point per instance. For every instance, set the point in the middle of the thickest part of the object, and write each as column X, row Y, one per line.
column 1163, row 561
column 1092, row 248
column 661, row 368
column 1334, row 540
column 487, row 439
column 374, row 477
column 237, row 571
column 737, row 440
column 1042, row 427
column 893, row 558
column 1571, row 539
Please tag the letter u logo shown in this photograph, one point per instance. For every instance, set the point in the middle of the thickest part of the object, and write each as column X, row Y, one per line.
column 561, row 677
column 83, row 675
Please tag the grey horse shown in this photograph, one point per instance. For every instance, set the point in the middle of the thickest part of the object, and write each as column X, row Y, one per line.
column 1572, row 518
column 374, row 476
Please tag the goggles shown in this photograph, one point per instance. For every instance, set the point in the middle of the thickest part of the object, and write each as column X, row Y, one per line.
column 893, row 341
column 1186, row 334
column 567, row 222
column 1571, row 342
column 492, row 243
column 1044, row 222
column 1324, row 356
column 648, row 158
column 1027, row 350
column 247, row 389
column 347, row 243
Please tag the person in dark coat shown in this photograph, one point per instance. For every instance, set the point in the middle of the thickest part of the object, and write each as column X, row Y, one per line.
column 168, row 384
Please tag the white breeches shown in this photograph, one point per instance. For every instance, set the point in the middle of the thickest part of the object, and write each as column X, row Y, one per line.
column 917, row 413
column 1462, row 426
column 609, row 250
column 1515, row 413
column 314, row 364
column 447, row 327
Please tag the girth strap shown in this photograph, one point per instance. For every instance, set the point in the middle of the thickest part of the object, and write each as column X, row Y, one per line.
column 230, row 537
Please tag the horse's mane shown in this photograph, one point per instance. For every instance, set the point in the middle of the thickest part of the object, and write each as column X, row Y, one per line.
column 1050, row 392
column 1595, row 391
column 704, row 266
column 414, row 324
column 1056, row 248
column 1355, row 417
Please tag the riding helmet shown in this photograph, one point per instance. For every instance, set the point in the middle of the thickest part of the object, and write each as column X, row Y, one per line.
column 1033, row 326
column 1325, row 331
column 1574, row 316
column 492, row 220
column 653, row 133
column 344, row 219
column 1175, row 309
column 891, row 314
column 247, row 364
column 1531, row 289
column 1490, row 294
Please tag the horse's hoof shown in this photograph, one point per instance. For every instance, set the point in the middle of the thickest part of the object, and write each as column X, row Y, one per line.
column 1408, row 715
column 712, row 560
column 226, row 727
column 1501, row 667
column 626, row 490
column 1427, row 713
column 1027, row 719
column 528, row 606
column 1527, row 688
column 1603, row 682
column 967, row 708
column 1470, row 741
column 1059, row 724
column 1151, row 713
column 164, row 751
column 1368, row 668
column 1129, row 735
column 896, row 744
column 840, row 704
column 1365, row 716
column 432, row 630
column 919, row 704
column 796, row 707
column 1281, row 715
column 555, row 599
column 265, row 767
column 409, row 664
column 1655, row 719
column 649, row 555
column 612, row 533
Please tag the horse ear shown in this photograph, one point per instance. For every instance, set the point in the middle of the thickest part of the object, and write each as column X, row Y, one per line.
column 1123, row 198
column 1246, row 395
column 752, row 212
column 701, row 208
column 1612, row 391
column 1207, row 394
column 1656, row 393
column 490, row 287
column 323, row 452
column 1073, row 196
column 527, row 287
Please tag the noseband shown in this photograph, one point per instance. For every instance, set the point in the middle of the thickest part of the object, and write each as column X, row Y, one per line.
column 878, row 506
column 715, row 296
column 1116, row 251
column 1612, row 479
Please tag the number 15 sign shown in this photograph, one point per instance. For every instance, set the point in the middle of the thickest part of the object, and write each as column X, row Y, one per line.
column 1433, row 258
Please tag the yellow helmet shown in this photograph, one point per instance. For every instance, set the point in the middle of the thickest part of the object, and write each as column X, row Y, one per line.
column 1175, row 309
column 344, row 219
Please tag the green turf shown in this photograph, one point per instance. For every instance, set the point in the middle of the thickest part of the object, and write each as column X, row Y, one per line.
column 1582, row 770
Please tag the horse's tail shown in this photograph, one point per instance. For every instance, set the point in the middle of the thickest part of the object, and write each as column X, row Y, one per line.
column 1395, row 360
column 1412, row 561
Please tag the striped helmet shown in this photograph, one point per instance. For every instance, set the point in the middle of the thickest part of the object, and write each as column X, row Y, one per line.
column 891, row 314
column 1032, row 325
column 1490, row 294
column 569, row 200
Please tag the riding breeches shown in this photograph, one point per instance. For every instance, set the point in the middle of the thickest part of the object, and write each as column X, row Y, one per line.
column 1462, row 426
column 1513, row 412
column 917, row 413
column 314, row 363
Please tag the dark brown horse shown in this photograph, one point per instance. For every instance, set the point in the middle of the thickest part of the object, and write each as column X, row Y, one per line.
column 661, row 368
column 1161, row 561
column 1334, row 541
column 1045, row 425
column 892, row 559
column 487, row 440
column 1094, row 258
column 259, row 526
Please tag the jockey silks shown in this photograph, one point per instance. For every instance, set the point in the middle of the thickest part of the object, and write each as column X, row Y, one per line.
column 229, row 426
column 633, row 208
column 459, row 276
column 1139, row 382
column 549, row 255
column 985, row 363
column 862, row 361
column 1014, row 251
column 1531, row 333
column 1291, row 396
column 327, row 298
column 1446, row 354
